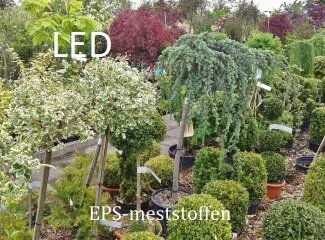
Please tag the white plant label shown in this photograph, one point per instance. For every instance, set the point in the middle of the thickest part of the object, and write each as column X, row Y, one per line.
column 111, row 224
column 281, row 128
column 148, row 170
column 264, row 86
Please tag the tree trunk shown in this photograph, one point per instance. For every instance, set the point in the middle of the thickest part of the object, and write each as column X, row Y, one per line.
column 42, row 196
column 92, row 169
column 178, row 152
column 100, row 179
column 138, row 187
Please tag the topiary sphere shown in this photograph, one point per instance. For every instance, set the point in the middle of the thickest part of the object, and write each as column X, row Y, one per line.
column 293, row 220
column 163, row 166
column 112, row 172
column 250, row 171
column 317, row 125
column 319, row 67
column 205, row 167
column 234, row 197
column 275, row 167
column 314, row 191
column 272, row 108
column 141, row 236
column 185, row 229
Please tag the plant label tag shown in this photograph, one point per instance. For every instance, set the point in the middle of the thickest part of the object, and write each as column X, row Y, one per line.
column 281, row 128
column 111, row 224
column 259, row 73
column 70, row 202
column 264, row 86
column 148, row 170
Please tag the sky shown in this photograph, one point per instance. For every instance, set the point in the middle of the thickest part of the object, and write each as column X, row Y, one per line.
column 264, row 5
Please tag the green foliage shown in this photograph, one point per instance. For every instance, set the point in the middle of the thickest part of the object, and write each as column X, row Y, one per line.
column 311, row 89
column 218, row 36
column 265, row 41
column 5, row 98
column 317, row 125
column 141, row 236
column 69, row 188
column 198, row 229
column 314, row 188
column 149, row 151
column 249, row 133
column 318, row 42
column 301, row 54
column 234, row 197
column 275, row 167
column 128, row 184
column 163, row 84
column 206, row 167
column 250, row 171
column 49, row 16
column 112, row 173
column 319, row 68
column 291, row 219
column 13, row 227
column 272, row 108
column 271, row 140
column 163, row 166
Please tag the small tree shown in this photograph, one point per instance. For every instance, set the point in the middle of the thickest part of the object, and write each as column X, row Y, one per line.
column 44, row 110
column 278, row 25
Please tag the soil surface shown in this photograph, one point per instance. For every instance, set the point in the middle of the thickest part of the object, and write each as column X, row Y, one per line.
column 164, row 198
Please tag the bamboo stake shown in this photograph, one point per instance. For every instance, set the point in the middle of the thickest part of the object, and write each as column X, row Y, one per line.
column 178, row 152
column 321, row 146
column 138, row 187
column 92, row 169
column 42, row 196
column 30, row 204
column 100, row 178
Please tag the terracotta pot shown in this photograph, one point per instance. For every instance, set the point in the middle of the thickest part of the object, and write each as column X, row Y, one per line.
column 274, row 190
column 111, row 191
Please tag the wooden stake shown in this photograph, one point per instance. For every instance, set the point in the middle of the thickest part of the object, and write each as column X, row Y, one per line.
column 30, row 206
column 178, row 152
column 103, row 154
column 42, row 196
column 92, row 169
column 321, row 146
column 138, row 187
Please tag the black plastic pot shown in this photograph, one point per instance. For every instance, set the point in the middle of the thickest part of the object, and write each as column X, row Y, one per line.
column 253, row 208
column 70, row 139
column 158, row 207
column 125, row 208
column 186, row 162
column 303, row 163
column 305, row 126
column 314, row 146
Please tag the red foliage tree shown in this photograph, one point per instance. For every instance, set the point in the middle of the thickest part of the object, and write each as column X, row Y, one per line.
column 140, row 35
column 279, row 25
column 316, row 11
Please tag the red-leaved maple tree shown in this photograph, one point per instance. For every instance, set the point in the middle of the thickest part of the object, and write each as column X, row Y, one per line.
column 279, row 25
column 141, row 35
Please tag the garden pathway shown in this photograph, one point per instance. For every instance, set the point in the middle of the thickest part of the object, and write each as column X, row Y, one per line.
column 61, row 162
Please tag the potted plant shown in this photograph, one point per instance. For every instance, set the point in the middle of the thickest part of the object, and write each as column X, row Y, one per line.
column 208, row 228
column 163, row 167
column 317, row 128
column 292, row 219
column 234, row 198
column 276, row 172
column 250, row 171
column 206, row 168
column 131, row 226
column 141, row 235
column 271, row 140
column 112, row 175
column 314, row 188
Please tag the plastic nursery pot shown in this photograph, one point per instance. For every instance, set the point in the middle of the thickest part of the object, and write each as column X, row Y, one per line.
column 186, row 162
column 111, row 191
column 158, row 207
column 126, row 208
column 118, row 233
column 274, row 190
column 253, row 207
column 303, row 163
column 314, row 146
column 305, row 126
